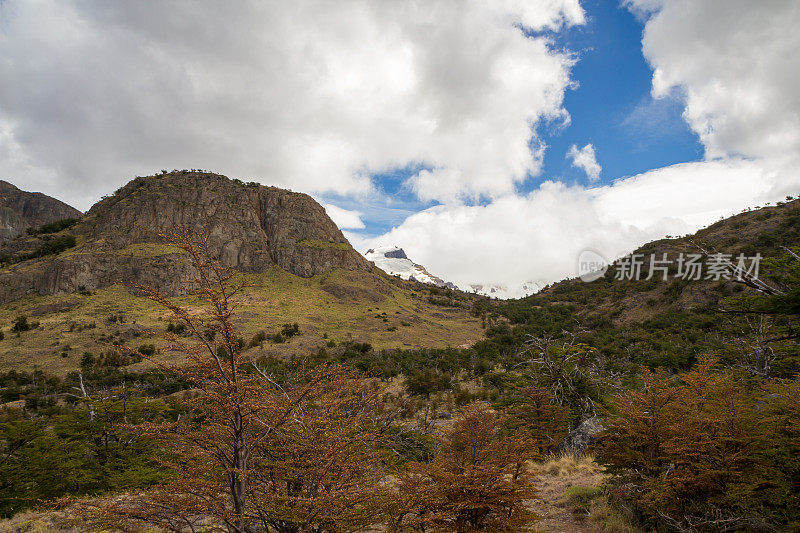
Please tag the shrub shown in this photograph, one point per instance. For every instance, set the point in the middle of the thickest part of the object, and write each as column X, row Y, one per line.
column 462, row 397
column 477, row 482
column 54, row 227
column 52, row 247
column 290, row 330
column 177, row 329
column 87, row 360
column 21, row 324
column 580, row 499
column 705, row 450
column 257, row 339
column 147, row 349
column 426, row 382
column 533, row 412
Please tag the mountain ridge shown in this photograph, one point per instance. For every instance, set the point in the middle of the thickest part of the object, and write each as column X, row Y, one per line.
column 252, row 226
column 22, row 210
column 394, row 261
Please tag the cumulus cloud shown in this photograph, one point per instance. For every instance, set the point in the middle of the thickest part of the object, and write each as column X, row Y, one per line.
column 735, row 66
column 584, row 159
column 319, row 96
column 344, row 218
column 314, row 96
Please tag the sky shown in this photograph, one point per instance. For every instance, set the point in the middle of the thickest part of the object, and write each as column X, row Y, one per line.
column 493, row 141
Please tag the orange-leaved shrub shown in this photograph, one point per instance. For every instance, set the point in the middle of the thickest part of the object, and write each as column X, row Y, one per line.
column 535, row 418
column 709, row 450
column 477, row 482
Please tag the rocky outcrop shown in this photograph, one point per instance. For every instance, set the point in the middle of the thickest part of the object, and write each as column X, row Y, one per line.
column 396, row 254
column 20, row 210
column 581, row 437
column 250, row 226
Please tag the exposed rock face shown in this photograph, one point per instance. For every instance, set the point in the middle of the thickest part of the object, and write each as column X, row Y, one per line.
column 20, row 210
column 252, row 226
column 581, row 437
column 396, row 254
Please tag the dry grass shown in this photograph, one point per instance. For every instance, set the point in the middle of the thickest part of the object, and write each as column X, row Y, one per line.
column 572, row 499
column 568, row 465
column 556, row 475
column 363, row 309
column 611, row 519
column 33, row 522
column 58, row 522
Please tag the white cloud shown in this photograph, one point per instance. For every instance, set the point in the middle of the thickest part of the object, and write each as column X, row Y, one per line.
column 538, row 237
column 737, row 64
column 584, row 159
column 314, row 96
column 317, row 96
column 344, row 218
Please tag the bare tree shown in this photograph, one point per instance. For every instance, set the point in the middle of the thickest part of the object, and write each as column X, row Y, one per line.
column 753, row 349
column 254, row 451
column 562, row 366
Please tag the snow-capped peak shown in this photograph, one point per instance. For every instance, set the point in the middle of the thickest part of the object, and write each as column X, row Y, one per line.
column 394, row 261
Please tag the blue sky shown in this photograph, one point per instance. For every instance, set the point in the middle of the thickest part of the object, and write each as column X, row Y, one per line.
column 612, row 107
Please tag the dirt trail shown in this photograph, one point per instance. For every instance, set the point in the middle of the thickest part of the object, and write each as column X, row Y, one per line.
column 554, row 478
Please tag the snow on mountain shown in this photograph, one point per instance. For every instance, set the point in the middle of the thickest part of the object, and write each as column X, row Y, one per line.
column 393, row 261
column 502, row 292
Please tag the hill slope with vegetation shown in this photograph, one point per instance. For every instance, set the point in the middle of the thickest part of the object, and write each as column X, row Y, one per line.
column 685, row 390
column 660, row 322
column 76, row 282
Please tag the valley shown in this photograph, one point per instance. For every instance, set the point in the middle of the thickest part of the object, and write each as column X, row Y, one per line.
column 137, row 316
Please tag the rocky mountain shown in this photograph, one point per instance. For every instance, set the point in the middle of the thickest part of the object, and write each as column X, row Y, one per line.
column 393, row 261
column 21, row 210
column 251, row 225
column 72, row 282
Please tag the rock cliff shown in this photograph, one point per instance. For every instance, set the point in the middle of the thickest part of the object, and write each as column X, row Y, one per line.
column 251, row 226
column 20, row 210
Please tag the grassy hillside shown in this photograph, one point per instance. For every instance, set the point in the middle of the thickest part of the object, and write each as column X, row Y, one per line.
column 337, row 307
column 763, row 231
